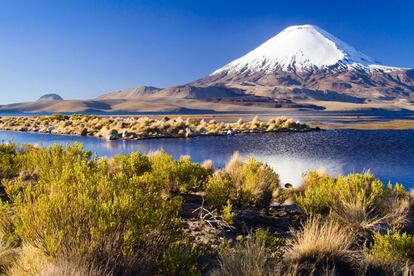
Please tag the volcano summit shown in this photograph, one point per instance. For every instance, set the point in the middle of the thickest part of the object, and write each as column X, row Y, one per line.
column 306, row 62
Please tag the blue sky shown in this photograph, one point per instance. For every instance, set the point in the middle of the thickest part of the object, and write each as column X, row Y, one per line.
column 81, row 49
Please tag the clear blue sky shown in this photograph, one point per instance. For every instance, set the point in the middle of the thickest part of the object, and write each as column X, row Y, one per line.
column 82, row 48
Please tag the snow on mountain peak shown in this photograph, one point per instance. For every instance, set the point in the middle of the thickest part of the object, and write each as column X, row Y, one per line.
column 300, row 48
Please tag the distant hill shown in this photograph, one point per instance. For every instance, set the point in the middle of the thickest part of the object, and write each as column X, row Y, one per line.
column 182, row 91
column 50, row 97
column 132, row 93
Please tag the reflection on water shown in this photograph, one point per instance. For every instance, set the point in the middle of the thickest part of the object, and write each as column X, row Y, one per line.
column 388, row 154
column 291, row 169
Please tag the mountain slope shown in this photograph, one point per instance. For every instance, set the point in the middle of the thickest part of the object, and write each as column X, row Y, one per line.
column 302, row 61
column 131, row 93
column 181, row 91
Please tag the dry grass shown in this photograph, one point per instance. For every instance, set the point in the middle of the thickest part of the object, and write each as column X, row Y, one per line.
column 30, row 261
column 319, row 239
column 208, row 165
column 362, row 222
column 247, row 259
column 7, row 255
column 71, row 268
column 357, row 218
column 410, row 215
column 234, row 164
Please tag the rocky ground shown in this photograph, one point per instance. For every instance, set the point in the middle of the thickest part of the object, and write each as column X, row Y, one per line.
column 208, row 231
column 133, row 128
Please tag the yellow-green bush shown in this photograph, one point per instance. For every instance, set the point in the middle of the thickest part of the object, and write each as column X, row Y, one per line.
column 393, row 247
column 227, row 213
column 255, row 183
column 8, row 161
column 178, row 175
column 74, row 206
column 218, row 190
column 180, row 259
column 250, row 183
column 324, row 193
column 270, row 241
column 133, row 164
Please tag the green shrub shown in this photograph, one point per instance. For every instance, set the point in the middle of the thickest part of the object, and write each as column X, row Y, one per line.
column 9, row 165
column 324, row 193
column 318, row 195
column 218, row 190
column 393, row 247
column 179, row 259
column 250, row 183
column 133, row 164
column 178, row 175
column 268, row 240
column 228, row 214
column 255, row 183
column 76, row 207
column 190, row 176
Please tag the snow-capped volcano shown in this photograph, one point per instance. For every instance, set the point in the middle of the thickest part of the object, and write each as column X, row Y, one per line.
column 300, row 48
column 301, row 63
column 307, row 63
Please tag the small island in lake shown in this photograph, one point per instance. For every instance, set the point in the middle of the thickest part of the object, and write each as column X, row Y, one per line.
column 134, row 128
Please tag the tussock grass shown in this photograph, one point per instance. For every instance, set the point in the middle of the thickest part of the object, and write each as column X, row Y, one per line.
column 246, row 259
column 72, row 268
column 30, row 261
column 320, row 239
column 8, row 254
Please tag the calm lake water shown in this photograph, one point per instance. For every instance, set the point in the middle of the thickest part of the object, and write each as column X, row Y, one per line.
column 389, row 154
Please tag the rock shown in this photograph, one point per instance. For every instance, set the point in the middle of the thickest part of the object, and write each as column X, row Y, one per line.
column 289, row 208
column 112, row 135
column 84, row 132
column 188, row 132
column 124, row 134
column 230, row 132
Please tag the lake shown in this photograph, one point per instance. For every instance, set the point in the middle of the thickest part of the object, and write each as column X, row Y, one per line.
column 389, row 154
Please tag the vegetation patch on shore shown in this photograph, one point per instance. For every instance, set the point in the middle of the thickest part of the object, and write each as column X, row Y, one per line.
column 113, row 128
column 64, row 211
